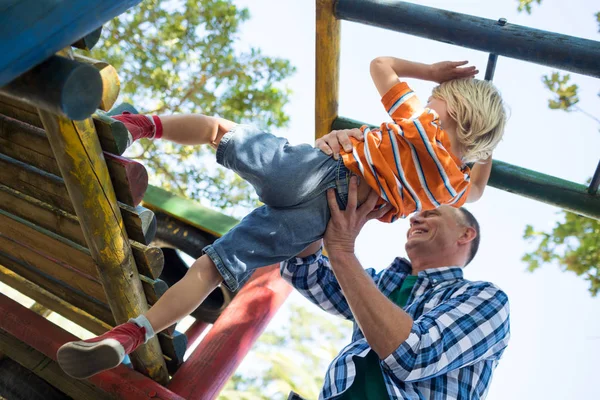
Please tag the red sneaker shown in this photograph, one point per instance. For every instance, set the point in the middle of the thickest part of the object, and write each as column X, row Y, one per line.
column 140, row 126
column 85, row 358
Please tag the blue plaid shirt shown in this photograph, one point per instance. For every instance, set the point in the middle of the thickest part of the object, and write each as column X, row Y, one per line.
column 460, row 330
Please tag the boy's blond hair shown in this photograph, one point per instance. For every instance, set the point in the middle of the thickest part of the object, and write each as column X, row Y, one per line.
column 479, row 112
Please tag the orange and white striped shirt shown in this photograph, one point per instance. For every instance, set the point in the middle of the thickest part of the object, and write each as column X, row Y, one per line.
column 409, row 162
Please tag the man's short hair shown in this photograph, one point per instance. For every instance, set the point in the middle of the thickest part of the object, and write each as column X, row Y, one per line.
column 471, row 221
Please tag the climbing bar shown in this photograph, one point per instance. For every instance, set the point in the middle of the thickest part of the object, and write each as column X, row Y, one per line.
column 561, row 193
column 40, row 28
column 541, row 47
column 593, row 188
column 61, row 86
column 491, row 67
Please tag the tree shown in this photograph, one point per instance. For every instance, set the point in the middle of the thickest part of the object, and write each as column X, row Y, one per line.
column 295, row 358
column 574, row 243
column 182, row 56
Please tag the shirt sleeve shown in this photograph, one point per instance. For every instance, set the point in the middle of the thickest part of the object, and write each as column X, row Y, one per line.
column 471, row 327
column 401, row 102
column 313, row 278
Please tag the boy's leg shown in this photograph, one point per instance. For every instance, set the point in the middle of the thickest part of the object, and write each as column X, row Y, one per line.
column 186, row 129
column 82, row 359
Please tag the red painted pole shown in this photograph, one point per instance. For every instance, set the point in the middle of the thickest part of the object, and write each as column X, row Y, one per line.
column 195, row 330
column 45, row 337
column 206, row 371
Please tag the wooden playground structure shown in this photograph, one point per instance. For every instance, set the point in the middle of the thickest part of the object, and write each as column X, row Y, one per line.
column 84, row 235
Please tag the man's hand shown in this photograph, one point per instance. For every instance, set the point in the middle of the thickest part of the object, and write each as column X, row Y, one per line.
column 344, row 226
column 448, row 70
column 333, row 142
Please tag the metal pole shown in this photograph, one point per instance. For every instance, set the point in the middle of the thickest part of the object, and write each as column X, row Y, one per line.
column 593, row 188
column 515, row 41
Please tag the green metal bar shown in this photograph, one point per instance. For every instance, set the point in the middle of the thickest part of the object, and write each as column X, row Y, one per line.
column 593, row 188
column 548, row 189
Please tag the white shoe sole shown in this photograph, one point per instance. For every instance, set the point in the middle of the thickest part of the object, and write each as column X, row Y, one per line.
column 81, row 360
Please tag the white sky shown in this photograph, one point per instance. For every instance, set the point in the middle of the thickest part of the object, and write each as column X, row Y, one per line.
column 555, row 343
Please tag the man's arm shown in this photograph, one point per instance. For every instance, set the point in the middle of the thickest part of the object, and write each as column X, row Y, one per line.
column 480, row 173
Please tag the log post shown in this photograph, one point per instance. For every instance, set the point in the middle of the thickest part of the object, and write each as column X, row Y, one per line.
column 327, row 76
column 111, row 85
column 79, row 156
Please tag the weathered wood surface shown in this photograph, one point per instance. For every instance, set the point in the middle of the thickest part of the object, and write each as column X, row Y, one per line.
column 53, row 302
column 111, row 85
column 149, row 259
column 173, row 346
column 40, row 28
column 61, row 86
column 139, row 222
column 78, row 154
column 45, row 337
column 88, row 41
column 29, row 144
column 327, row 76
column 112, row 134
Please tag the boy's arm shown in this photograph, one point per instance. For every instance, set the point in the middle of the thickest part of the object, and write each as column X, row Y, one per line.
column 385, row 71
column 479, row 178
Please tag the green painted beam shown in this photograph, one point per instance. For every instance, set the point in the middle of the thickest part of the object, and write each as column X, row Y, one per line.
column 189, row 211
column 548, row 189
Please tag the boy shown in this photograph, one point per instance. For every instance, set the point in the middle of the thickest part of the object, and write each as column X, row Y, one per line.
column 415, row 163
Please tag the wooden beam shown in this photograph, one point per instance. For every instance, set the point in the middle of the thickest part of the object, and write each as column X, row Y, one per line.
column 112, row 134
column 327, row 76
column 174, row 347
column 59, row 289
column 149, row 259
column 140, row 222
column 29, row 144
column 61, row 258
column 52, row 302
column 188, row 211
column 78, row 154
column 61, row 86
column 45, row 337
column 520, row 42
column 111, row 85
column 40, row 309
column 88, row 41
column 232, row 336
column 40, row 28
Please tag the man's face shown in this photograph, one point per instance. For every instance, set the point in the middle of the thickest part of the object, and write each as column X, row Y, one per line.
column 434, row 232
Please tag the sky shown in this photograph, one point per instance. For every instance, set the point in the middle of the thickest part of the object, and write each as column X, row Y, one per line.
column 555, row 330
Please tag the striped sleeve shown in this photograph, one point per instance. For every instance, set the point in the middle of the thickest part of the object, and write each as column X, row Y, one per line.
column 470, row 327
column 401, row 102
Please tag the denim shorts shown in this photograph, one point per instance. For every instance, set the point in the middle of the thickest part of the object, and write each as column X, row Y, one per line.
column 292, row 182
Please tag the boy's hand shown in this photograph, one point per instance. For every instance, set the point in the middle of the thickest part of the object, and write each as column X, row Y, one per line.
column 448, row 70
column 331, row 143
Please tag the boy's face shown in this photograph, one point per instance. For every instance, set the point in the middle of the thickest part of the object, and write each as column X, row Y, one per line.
column 441, row 108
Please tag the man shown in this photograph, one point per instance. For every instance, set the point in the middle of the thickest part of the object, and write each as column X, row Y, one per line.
column 421, row 331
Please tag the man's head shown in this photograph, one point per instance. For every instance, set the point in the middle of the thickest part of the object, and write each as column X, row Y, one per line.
column 445, row 236
column 475, row 110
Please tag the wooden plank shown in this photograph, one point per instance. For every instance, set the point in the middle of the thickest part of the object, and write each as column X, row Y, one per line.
column 40, row 28
column 139, row 222
column 78, row 154
column 149, row 259
column 60, row 257
column 29, row 144
column 189, row 211
column 111, row 85
column 327, row 76
column 59, row 289
column 59, row 85
column 40, row 309
column 88, row 41
column 45, row 263
column 112, row 134
column 45, row 337
column 53, row 302
column 18, row 382
column 173, row 346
